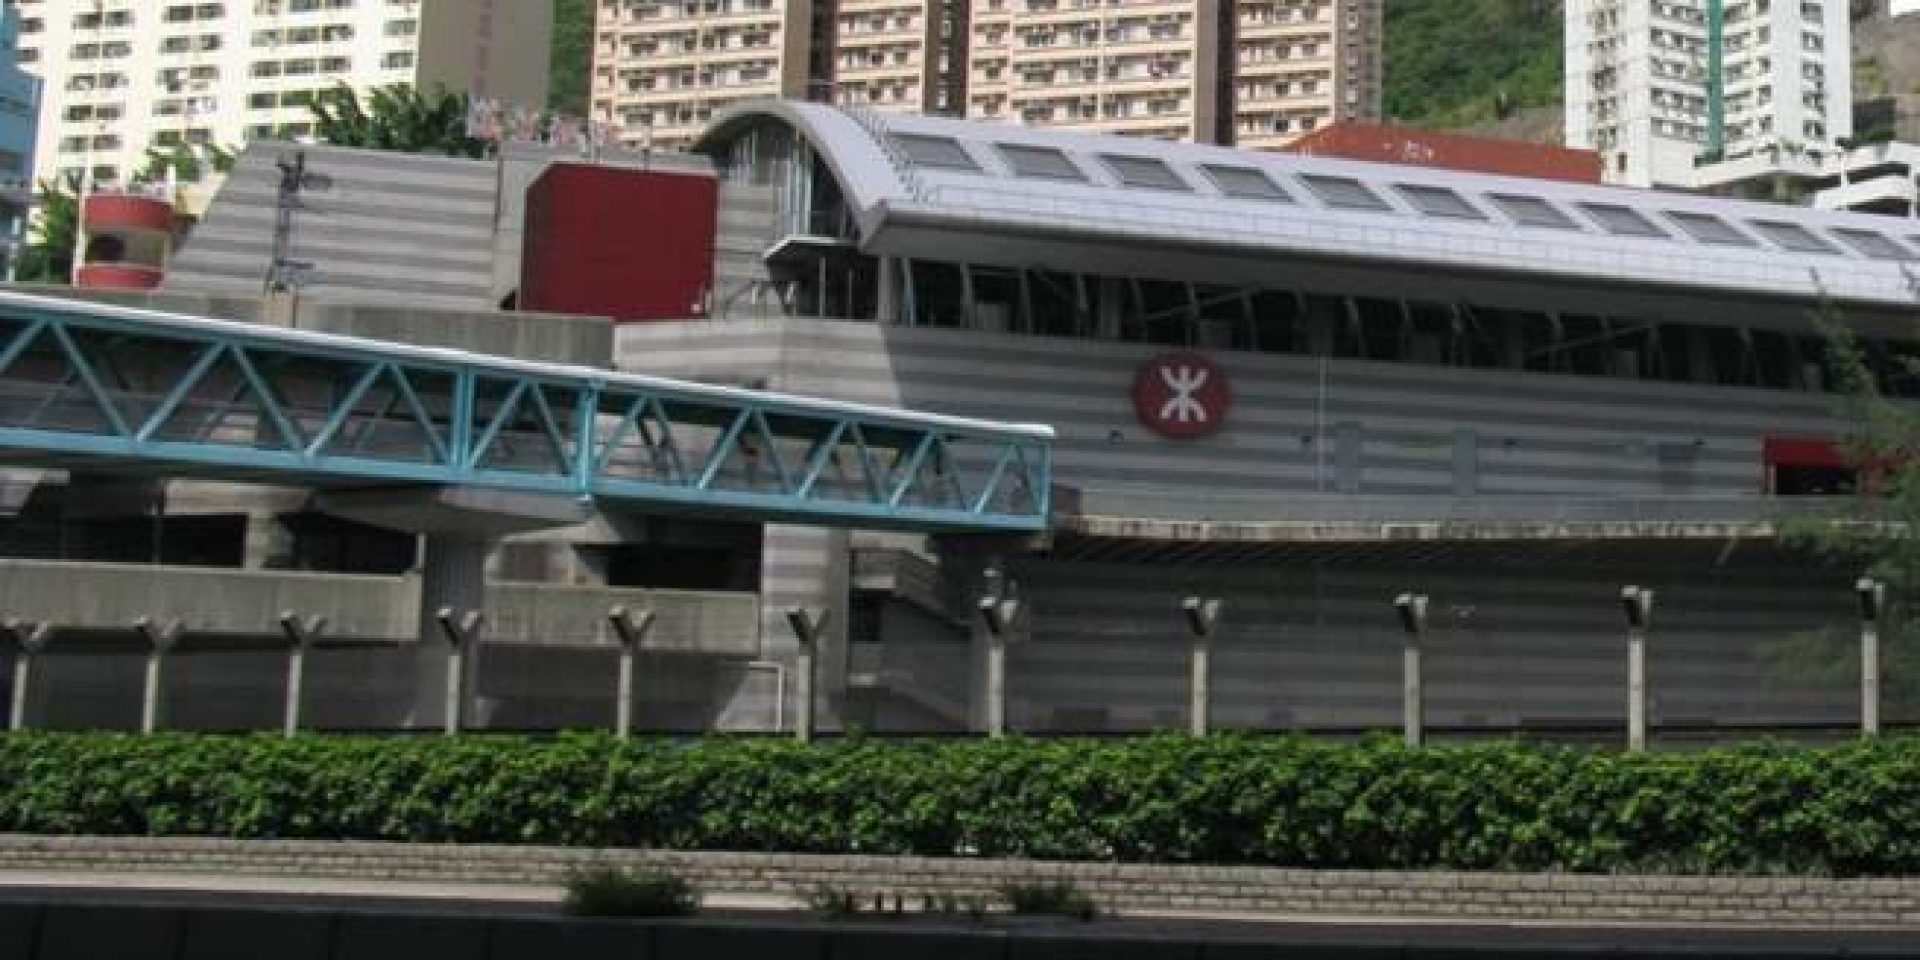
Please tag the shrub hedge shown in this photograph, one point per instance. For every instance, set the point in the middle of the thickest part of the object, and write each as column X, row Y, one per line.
column 1850, row 810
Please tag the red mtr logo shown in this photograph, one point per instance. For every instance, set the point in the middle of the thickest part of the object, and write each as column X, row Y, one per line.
column 1182, row 395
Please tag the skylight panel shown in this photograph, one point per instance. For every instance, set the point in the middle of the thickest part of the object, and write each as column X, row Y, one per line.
column 1532, row 211
column 1874, row 245
column 1044, row 163
column 1622, row 221
column 1709, row 229
column 1439, row 202
column 1245, row 183
column 929, row 151
column 1344, row 193
column 1144, row 172
column 1792, row 236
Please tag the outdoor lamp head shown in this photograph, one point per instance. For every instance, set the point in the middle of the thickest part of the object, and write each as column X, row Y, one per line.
column 1872, row 594
column 802, row 624
column 1412, row 608
column 1638, row 606
column 1201, row 613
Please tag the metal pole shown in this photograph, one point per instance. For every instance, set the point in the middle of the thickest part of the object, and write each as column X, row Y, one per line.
column 1202, row 613
column 1412, row 608
column 300, row 634
column 28, row 640
column 160, row 639
column 807, row 628
column 1638, row 605
column 631, row 627
column 999, row 609
column 461, row 631
column 1873, row 596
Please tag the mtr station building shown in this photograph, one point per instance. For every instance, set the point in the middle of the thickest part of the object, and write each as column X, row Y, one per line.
column 1301, row 385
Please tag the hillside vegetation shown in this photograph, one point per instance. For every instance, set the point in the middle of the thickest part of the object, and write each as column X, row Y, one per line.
column 1467, row 63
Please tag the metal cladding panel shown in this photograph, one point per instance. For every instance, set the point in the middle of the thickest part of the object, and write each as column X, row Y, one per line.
column 1428, row 148
column 633, row 245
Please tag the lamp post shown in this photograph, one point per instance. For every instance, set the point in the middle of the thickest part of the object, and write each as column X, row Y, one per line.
column 1873, row 598
column 1637, row 604
column 807, row 627
column 1412, row 608
column 1202, row 614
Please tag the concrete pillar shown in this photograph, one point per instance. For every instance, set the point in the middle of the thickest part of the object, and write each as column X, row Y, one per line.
column 807, row 628
column 1202, row 614
column 1638, row 605
column 300, row 633
column 453, row 576
column 887, row 290
column 161, row 637
column 28, row 639
column 630, row 628
column 1412, row 608
column 1873, row 598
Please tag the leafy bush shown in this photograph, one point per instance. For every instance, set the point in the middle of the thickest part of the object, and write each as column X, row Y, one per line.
column 606, row 891
column 1060, row 898
column 1281, row 801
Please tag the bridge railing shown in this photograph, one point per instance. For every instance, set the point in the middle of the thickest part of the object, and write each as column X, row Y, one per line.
column 155, row 391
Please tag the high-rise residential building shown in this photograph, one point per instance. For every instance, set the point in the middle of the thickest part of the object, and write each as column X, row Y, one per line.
column 1257, row 72
column 122, row 76
column 1660, row 87
column 19, row 126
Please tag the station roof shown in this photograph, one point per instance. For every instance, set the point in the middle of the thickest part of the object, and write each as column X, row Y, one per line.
column 954, row 189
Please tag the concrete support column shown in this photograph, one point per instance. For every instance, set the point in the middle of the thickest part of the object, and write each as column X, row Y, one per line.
column 300, row 633
column 28, row 639
column 807, row 626
column 161, row 638
column 1202, row 614
column 1873, row 598
column 630, row 628
column 1638, row 605
column 887, row 292
column 453, row 577
column 1412, row 608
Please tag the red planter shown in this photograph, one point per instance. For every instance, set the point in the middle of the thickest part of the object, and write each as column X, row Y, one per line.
column 118, row 276
column 106, row 212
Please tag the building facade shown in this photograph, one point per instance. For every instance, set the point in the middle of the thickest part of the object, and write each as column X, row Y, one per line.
column 19, row 128
column 1255, row 72
column 1661, row 86
column 122, row 76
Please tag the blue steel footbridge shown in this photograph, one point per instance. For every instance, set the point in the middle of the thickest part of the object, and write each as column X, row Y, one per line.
column 96, row 387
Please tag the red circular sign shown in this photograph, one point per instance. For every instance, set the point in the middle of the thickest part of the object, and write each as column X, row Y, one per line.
column 1182, row 395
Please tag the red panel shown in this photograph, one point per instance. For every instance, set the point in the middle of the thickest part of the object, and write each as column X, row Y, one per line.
column 1451, row 151
column 118, row 276
column 121, row 211
column 610, row 242
column 1801, row 452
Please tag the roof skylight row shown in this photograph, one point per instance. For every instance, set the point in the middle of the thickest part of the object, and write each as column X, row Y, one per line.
column 1347, row 193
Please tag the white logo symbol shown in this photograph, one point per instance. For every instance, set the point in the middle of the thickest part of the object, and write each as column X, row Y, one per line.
column 1184, row 381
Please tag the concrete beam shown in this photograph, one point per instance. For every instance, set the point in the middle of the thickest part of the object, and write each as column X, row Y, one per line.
column 473, row 512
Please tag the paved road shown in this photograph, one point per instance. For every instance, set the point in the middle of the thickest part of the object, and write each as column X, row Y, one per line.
column 522, row 901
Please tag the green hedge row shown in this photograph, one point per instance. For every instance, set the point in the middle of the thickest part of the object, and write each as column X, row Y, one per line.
column 1852, row 810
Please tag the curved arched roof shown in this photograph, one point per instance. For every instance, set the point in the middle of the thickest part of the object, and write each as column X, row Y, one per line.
column 918, row 180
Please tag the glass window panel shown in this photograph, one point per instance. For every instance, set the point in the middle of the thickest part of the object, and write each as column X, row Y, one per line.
column 1622, row 221
column 1143, row 172
column 1044, row 163
column 1709, row 229
column 1343, row 192
column 1875, row 245
column 1439, row 202
column 1245, row 183
column 1532, row 211
column 1792, row 236
column 943, row 152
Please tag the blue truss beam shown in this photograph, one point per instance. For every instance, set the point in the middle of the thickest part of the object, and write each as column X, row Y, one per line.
column 189, row 395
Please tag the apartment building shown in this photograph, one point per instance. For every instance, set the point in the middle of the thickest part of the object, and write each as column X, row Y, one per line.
column 1257, row 72
column 1660, row 87
column 125, row 75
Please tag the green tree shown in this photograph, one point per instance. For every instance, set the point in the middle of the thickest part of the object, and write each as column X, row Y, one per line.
column 571, row 53
column 397, row 117
column 187, row 162
column 47, row 256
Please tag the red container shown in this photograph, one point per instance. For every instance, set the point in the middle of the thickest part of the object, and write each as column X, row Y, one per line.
column 106, row 212
column 1450, row 151
column 634, row 245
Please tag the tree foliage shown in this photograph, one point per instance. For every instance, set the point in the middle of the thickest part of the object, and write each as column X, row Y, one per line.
column 47, row 256
column 571, row 57
column 1282, row 801
column 1455, row 63
column 397, row 117
column 188, row 163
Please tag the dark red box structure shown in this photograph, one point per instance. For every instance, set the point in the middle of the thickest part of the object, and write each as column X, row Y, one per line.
column 634, row 245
